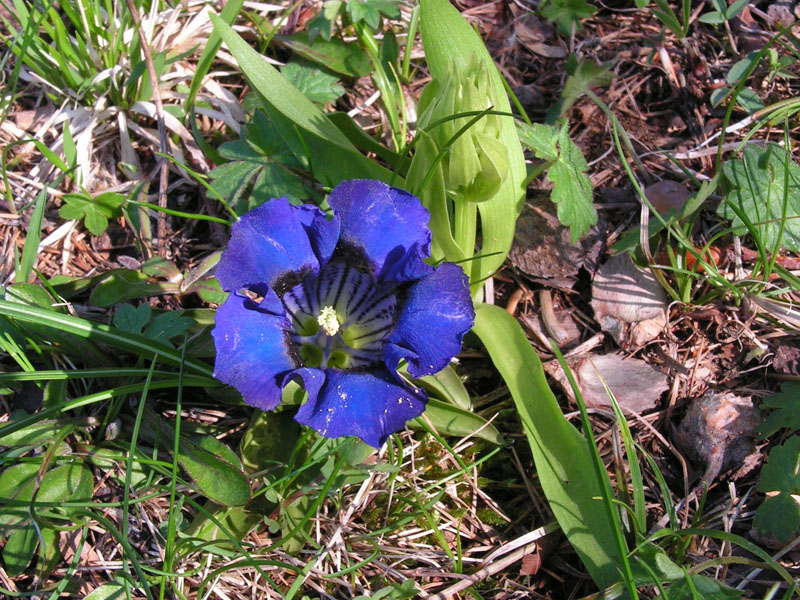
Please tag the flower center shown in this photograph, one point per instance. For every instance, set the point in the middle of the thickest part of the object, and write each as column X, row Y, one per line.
column 339, row 317
column 328, row 321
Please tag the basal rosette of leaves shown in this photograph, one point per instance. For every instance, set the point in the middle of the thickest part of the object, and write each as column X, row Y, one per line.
column 337, row 304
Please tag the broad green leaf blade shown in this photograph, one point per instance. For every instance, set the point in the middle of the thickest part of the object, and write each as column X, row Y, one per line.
column 121, row 285
column 234, row 522
column 33, row 435
column 572, row 188
column 269, row 440
column 758, row 184
column 782, row 471
column 317, row 84
column 338, row 56
column 778, row 516
column 19, row 549
column 447, row 37
column 561, row 455
column 16, row 483
column 370, row 11
column 448, row 419
column 71, row 481
column 449, row 386
column 313, row 139
column 786, row 410
column 215, row 469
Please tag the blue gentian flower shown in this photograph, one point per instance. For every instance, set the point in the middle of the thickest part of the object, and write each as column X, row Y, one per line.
column 336, row 304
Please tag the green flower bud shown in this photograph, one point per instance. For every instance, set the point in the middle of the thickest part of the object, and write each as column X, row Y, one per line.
column 476, row 162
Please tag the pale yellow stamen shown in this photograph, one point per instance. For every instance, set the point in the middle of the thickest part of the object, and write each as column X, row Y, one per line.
column 328, row 321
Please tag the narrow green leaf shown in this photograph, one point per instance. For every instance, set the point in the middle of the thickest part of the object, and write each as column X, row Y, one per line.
column 98, row 332
column 32, row 238
column 561, row 455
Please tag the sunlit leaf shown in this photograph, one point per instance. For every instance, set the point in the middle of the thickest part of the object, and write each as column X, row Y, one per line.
column 561, row 455
column 758, row 182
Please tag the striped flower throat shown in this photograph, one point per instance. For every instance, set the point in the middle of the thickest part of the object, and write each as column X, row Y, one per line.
column 340, row 318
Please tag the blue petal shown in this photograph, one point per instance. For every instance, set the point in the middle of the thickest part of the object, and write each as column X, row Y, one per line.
column 367, row 404
column 433, row 315
column 273, row 240
column 252, row 350
column 388, row 224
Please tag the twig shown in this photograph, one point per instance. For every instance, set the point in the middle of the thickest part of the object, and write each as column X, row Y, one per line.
column 162, row 131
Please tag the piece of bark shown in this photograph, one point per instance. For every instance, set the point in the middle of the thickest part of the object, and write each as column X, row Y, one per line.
column 718, row 432
column 636, row 385
column 543, row 250
column 628, row 302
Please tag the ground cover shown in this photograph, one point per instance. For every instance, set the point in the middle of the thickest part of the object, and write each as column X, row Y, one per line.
column 620, row 420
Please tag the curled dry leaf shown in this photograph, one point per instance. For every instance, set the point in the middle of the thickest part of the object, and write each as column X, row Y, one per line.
column 636, row 385
column 665, row 195
column 542, row 248
column 787, row 360
column 718, row 432
column 628, row 302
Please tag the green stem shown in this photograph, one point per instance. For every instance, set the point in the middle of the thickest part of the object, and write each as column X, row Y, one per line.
column 466, row 224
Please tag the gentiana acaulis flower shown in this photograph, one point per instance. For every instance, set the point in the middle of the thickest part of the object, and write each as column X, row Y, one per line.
column 337, row 304
column 477, row 161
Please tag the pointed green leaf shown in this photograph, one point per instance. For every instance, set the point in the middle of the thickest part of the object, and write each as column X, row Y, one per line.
column 215, row 470
column 563, row 461
column 448, row 385
column 19, row 549
column 448, row 419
